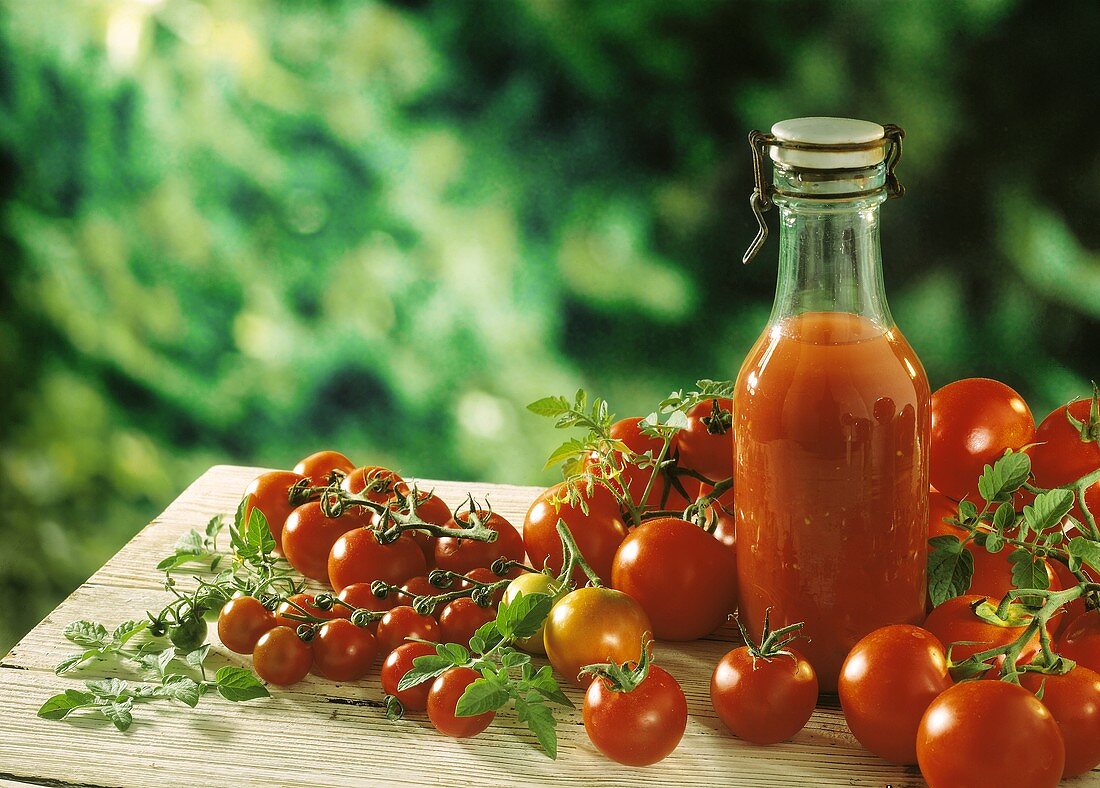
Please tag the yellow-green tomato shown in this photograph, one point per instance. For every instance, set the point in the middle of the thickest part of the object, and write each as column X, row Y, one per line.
column 532, row 583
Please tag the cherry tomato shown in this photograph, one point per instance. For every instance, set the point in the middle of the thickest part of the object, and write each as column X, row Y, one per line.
column 358, row 557
column 343, row 651
column 397, row 664
column 1061, row 456
column 664, row 562
column 1073, row 699
column 973, row 422
column 725, row 530
column 706, row 444
column 403, row 622
column 989, row 734
column 955, row 620
column 443, row 698
column 940, row 507
column 281, row 657
column 592, row 625
column 886, row 684
column 308, row 538
column 241, row 623
column 418, row 586
column 482, row 575
column 1080, row 640
column 764, row 701
column 360, row 596
column 464, row 555
column 532, row 583
column 639, row 727
column 308, row 602
column 461, row 618
column 270, row 493
column 189, row 633
column 598, row 533
column 383, row 481
column 319, row 465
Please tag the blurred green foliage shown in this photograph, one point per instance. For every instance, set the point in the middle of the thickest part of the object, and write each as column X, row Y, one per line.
column 238, row 231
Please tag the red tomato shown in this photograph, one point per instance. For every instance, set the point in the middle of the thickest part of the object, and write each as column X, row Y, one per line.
column 464, row 555
column 360, row 596
column 973, row 422
column 1080, row 640
column 706, row 444
column 281, row 657
column 319, row 465
column 242, row 621
column 598, row 533
column 401, row 623
column 940, row 507
column 764, row 701
column 1062, row 456
column 886, row 684
column 592, row 625
column 1073, row 700
column 461, row 618
column 306, row 601
column 683, row 577
column 483, row 575
column 382, row 481
column 639, row 727
column 358, row 557
column 726, row 529
column 343, row 651
column 414, row 587
column 309, row 536
column 270, row 493
column 955, row 621
column 989, row 734
column 443, row 698
column 397, row 664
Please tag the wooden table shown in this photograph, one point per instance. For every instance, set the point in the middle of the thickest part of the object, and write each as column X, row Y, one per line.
column 265, row 742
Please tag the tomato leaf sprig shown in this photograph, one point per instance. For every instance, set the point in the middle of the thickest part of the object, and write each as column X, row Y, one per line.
column 197, row 548
column 507, row 674
column 114, row 698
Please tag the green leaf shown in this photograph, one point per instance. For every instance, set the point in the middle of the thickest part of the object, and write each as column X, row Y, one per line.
column 259, row 536
column 214, row 527
column 1003, row 518
column 1083, row 551
column 541, row 721
column 480, row 696
column 512, row 658
column 567, row 451
column 455, row 652
column 524, row 615
column 968, row 512
column 239, row 684
column 74, row 660
column 87, row 633
column 994, row 542
column 197, row 657
column 183, row 689
column 127, row 629
column 950, row 569
column 486, row 637
column 119, row 713
column 424, row 668
column 549, row 406
column 1048, row 509
column 1028, row 571
column 191, row 542
column 108, row 688
column 60, row 706
column 1004, row 477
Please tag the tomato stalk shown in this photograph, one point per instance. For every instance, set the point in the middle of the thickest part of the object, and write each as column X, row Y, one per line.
column 628, row 675
column 573, row 558
column 772, row 643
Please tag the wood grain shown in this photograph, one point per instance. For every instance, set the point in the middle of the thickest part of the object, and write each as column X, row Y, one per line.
column 262, row 742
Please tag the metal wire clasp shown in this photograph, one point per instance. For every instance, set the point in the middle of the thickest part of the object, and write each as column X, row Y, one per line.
column 761, row 200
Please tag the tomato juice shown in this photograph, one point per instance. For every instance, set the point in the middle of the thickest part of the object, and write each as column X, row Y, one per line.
column 831, row 411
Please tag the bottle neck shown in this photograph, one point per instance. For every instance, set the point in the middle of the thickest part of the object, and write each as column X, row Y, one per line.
column 829, row 259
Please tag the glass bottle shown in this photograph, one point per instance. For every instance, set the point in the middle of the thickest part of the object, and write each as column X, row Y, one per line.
column 831, row 408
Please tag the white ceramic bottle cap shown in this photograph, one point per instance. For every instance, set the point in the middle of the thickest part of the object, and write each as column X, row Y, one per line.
column 828, row 131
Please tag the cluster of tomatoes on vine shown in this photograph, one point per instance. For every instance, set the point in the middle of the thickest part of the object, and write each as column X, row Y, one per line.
column 1000, row 684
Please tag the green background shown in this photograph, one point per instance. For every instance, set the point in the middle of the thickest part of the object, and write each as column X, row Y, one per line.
column 240, row 231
